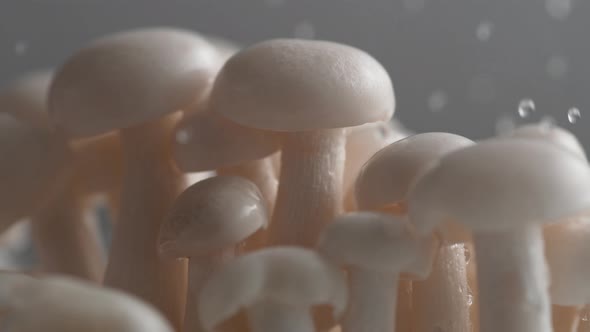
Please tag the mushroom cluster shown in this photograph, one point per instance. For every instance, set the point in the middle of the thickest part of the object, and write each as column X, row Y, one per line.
column 321, row 214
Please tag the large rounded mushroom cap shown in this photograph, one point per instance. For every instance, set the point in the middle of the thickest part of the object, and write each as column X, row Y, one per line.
column 377, row 242
column 130, row 78
column 211, row 215
column 387, row 176
column 501, row 184
column 26, row 99
column 32, row 164
column 552, row 134
column 567, row 249
column 206, row 141
column 67, row 305
column 300, row 85
column 287, row 275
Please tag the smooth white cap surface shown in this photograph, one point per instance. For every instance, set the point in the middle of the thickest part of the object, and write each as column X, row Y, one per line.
column 552, row 134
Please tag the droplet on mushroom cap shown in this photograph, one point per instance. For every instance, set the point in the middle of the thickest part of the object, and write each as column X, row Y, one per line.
column 499, row 184
column 211, row 215
column 300, row 85
column 129, row 78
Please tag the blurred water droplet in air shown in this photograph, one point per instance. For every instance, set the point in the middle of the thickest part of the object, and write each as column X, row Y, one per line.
column 556, row 67
column 526, row 107
column 573, row 115
column 183, row 136
column 274, row 3
column 482, row 89
column 437, row 101
column 484, row 31
column 558, row 9
column 304, row 30
column 414, row 5
column 505, row 125
column 21, row 47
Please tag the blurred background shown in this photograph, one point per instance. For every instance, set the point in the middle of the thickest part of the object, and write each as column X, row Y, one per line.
column 466, row 66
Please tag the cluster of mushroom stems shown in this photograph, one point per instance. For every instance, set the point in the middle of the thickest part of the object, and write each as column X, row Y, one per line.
column 319, row 213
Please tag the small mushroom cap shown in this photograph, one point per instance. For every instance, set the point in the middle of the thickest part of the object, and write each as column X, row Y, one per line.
column 68, row 305
column 301, row 85
column 26, row 99
column 211, row 215
column 129, row 78
column 32, row 165
column 387, row 177
column 501, row 184
column 553, row 134
column 205, row 141
column 288, row 275
column 567, row 249
column 378, row 242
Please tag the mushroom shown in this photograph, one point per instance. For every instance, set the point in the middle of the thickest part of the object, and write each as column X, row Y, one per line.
column 206, row 141
column 277, row 286
column 207, row 224
column 504, row 190
column 308, row 91
column 376, row 248
column 134, row 82
column 67, row 305
column 66, row 243
column 361, row 144
column 566, row 246
column 383, row 185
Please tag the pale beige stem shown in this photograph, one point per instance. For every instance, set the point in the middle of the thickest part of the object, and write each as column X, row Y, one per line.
column 150, row 184
column 441, row 302
column 403, row 312
column 310, row 186
column 565, row 318
column 471, row 261
column 65, row 243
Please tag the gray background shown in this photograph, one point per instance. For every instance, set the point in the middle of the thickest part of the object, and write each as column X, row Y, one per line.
column 457, row 65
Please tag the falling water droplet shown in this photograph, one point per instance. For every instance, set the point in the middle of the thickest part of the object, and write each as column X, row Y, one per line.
column 526, row 107
column 437, row 101
column 573, row 115
column 304, row 30
column 183, row 136
column 21, row 47
column 484, row 31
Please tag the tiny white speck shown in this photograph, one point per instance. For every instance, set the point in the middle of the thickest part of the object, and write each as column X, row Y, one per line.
column 437, row 101
column 183, row 136
column 21, row 47
column 484, row 31
column 559, row 9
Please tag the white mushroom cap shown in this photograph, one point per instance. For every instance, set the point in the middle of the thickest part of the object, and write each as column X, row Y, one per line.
column 287, row 275
column 387, row 176
column 301, row 85
column 129, row 78
column 567, row 248
column 67, row 305
column 26, row 99
column 211, row 215
column 500, row 184
column 205, row 141
column 377, row 242
column 553, row 134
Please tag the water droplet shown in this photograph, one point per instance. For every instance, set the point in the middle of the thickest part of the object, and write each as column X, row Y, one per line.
column 414, row 5
column 183, row 136
column 526, row 107
column 573, row 115
column 21, row 47
column 505, row 125
column 304, row 30
column 585, row 314
column 469, row 299
column 484, row 31
column 467, row 254
column 556, row 67
column 437, row 101
column 558, row 9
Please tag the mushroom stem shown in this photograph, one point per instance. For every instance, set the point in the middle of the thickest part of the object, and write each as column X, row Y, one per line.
column 199, row 270
column 373, row 297
column 565, row 318
column 268, row 316
column 310, row 186
column 150, row 184
column 65, row 242
column 513, row 281
column 261, row 173
column 441, row 302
